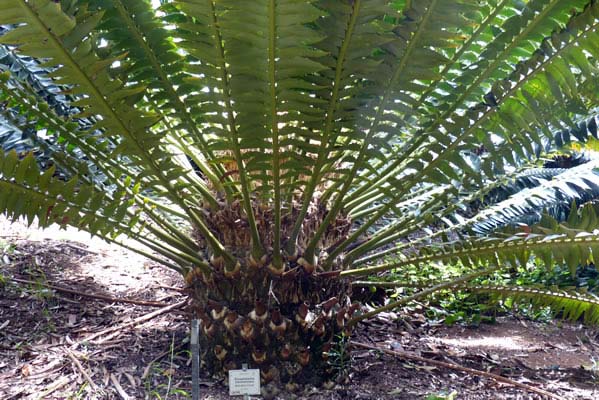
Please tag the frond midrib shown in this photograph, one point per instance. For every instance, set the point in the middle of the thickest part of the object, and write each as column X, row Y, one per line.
column 324, row 139
column 166, row 84
column 348, row 179
column 276, row 167
column 245, row 185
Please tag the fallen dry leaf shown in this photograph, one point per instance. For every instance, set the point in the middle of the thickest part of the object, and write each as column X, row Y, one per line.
column 26, row 370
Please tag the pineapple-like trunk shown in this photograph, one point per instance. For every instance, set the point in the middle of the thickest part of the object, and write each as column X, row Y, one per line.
column 285, row 326
column 283, row 320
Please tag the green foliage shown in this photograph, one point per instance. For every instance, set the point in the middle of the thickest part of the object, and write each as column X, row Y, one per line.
column 338, row 356
column 442, row 396
column 532, row 291
column 554, row 195
column 573, row 306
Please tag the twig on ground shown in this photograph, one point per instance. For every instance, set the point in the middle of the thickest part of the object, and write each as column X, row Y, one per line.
column 53, row 387
column 443, row 364
column 49, row 369
column 119, row 388
column 81, row 369
column 133, row 322
column 91, row 295
column 75, row 247
column 176, row 289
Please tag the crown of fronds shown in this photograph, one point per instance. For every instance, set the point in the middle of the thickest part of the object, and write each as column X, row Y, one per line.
column 383, row 111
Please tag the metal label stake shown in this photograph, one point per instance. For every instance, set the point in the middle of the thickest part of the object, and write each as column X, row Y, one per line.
column 195, row 359
column 244, row 366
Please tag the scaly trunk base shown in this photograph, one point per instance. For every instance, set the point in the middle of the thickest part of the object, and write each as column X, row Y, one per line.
column 285, row 326
column 282, row 319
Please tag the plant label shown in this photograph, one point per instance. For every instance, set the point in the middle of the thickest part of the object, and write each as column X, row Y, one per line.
column 244, row 382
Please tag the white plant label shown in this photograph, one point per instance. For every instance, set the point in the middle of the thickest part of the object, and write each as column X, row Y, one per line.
column 244, row 382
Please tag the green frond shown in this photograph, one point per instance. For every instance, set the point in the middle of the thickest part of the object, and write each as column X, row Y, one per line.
column 578, row 184
column 66, row 154
column 408, row 58
column 18, row 131
column 52, row 200
column 572, row 306
column 570, row 243
column 67, row 43
column 526, row 178
column 463, row 84
column 27, row 192
column 525, row 207
column 444, row 148
column 352, row 34
column 504, row 91
column 150, row 53
column 453, row 283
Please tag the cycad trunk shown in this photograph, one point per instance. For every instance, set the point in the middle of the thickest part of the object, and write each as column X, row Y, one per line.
column 283, row 323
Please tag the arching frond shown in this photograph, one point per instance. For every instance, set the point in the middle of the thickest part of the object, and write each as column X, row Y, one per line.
column 570, row 305
column 578, row 184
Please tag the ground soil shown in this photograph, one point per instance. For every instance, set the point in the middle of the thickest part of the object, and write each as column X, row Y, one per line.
column 59, row 345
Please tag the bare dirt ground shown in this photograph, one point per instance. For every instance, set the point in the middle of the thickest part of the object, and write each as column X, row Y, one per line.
column 60, row 345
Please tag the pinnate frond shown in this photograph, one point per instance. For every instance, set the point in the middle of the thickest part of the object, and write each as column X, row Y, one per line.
column 570, row 305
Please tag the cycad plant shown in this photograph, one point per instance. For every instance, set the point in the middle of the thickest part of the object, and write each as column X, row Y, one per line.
column 273, row 150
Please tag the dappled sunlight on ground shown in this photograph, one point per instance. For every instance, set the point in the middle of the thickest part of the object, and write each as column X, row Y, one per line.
column 511, row 343
column 535, row 345
column 107, row 264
